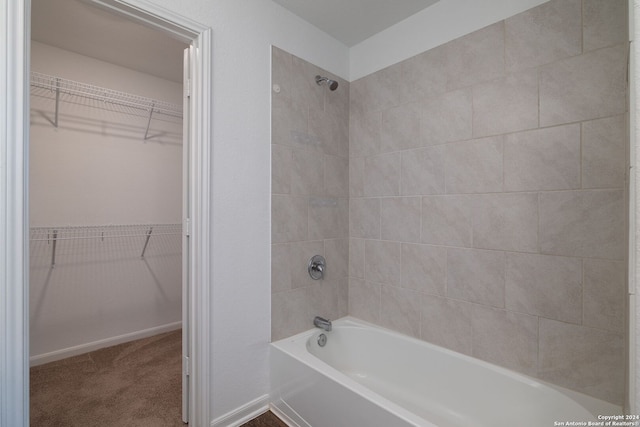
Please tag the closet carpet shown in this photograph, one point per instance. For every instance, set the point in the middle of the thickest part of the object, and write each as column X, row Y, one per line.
column 133, row 384
column 268, row 419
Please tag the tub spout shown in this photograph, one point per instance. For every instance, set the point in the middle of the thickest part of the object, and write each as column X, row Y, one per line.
column 322, row 323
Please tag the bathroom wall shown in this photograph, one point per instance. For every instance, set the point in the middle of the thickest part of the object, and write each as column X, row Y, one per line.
column 310, row 190
column 243, row 32
column 487, row 195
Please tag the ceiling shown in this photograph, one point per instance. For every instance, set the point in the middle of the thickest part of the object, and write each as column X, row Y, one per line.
column 88, row 30
column 91, row 31
column 352, row 21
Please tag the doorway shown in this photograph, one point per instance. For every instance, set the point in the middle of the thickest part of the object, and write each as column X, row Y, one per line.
column 14, row 196
column 106, row 218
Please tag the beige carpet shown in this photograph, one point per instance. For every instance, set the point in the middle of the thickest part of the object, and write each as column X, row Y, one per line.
column 133, row 384
column 268, row 419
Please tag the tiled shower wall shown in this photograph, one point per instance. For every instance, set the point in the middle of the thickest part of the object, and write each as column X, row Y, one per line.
column 487, row 195
column 310, row 194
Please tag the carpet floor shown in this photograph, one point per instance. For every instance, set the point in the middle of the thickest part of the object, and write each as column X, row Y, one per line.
column 133, row 384
column 268, row 419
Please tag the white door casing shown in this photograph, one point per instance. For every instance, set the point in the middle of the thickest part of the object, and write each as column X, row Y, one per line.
column 186, row 95
column 14, row 143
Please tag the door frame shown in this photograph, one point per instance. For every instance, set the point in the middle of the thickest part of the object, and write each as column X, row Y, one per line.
column 15, row 20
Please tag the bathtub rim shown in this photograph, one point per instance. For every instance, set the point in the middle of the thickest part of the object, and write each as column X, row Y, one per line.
column 295, row 346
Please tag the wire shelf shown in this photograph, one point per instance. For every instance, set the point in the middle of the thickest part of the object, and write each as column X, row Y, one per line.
column 102, row 231
column 104, row 95
column 137, row 234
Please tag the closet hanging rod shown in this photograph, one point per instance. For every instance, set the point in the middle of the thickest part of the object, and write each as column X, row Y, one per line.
column 64, row 86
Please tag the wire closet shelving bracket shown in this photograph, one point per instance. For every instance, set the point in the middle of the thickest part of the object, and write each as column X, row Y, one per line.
column 109, row 97
column 53, row 234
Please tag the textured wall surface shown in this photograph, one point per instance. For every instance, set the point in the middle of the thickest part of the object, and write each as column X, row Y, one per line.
column 310, row 187
column 487, row 195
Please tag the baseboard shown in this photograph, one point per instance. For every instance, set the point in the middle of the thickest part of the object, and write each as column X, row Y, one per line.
column 244, row 413
column 41, row 359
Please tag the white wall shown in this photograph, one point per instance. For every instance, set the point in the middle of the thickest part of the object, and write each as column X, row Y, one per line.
column 243, row 32
column 431, row 27
column 96, row 169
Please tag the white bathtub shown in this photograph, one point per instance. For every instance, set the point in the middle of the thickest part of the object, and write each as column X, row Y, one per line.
column 367, row 376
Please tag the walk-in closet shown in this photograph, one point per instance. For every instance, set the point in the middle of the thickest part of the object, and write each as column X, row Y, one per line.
column 106, row 209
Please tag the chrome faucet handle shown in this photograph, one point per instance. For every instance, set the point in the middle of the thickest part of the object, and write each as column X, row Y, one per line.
column 316, row 267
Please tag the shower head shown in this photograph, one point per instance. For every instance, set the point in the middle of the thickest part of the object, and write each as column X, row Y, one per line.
column 333, row 85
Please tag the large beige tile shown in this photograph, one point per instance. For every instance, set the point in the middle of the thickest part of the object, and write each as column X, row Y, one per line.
column 474, row 166
column 476, row 57
column 356, row 258
column 337, row 101
column 289, row 313
column 304, row 89
column 364, row 218
column 587, row 223
column 331, row 128
column 288, row 218
column 378, row 91
column 382, row 175
column 505, row 338
column 446, row 118
column 447, row 323
column 382, row 262
column 506, row 222
column 544, row 285
column 448, row 220
column 476, row 276
column 543, row 159
column 603, row 152
column 281, row 164
column 336, row 253
column 356, row 177
column 400, row 218
column 358, row 95
column 423, row 171
column 364, row 300
column 342, row 291
column 605, row 23
column 280, row 268
column 584, row 87
column 307, row 173
column 400, row 310
column 425, row 73
column 364, row 133
column 299, row 255
column 604, row 295
column 328, row 217
column 582, row 359
column 323, row 301
column 281, row 71
column 400, row 127
column 289, row 125
column 424, row 268
column 336, row 176
column 508, row 104
column 543, row 34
